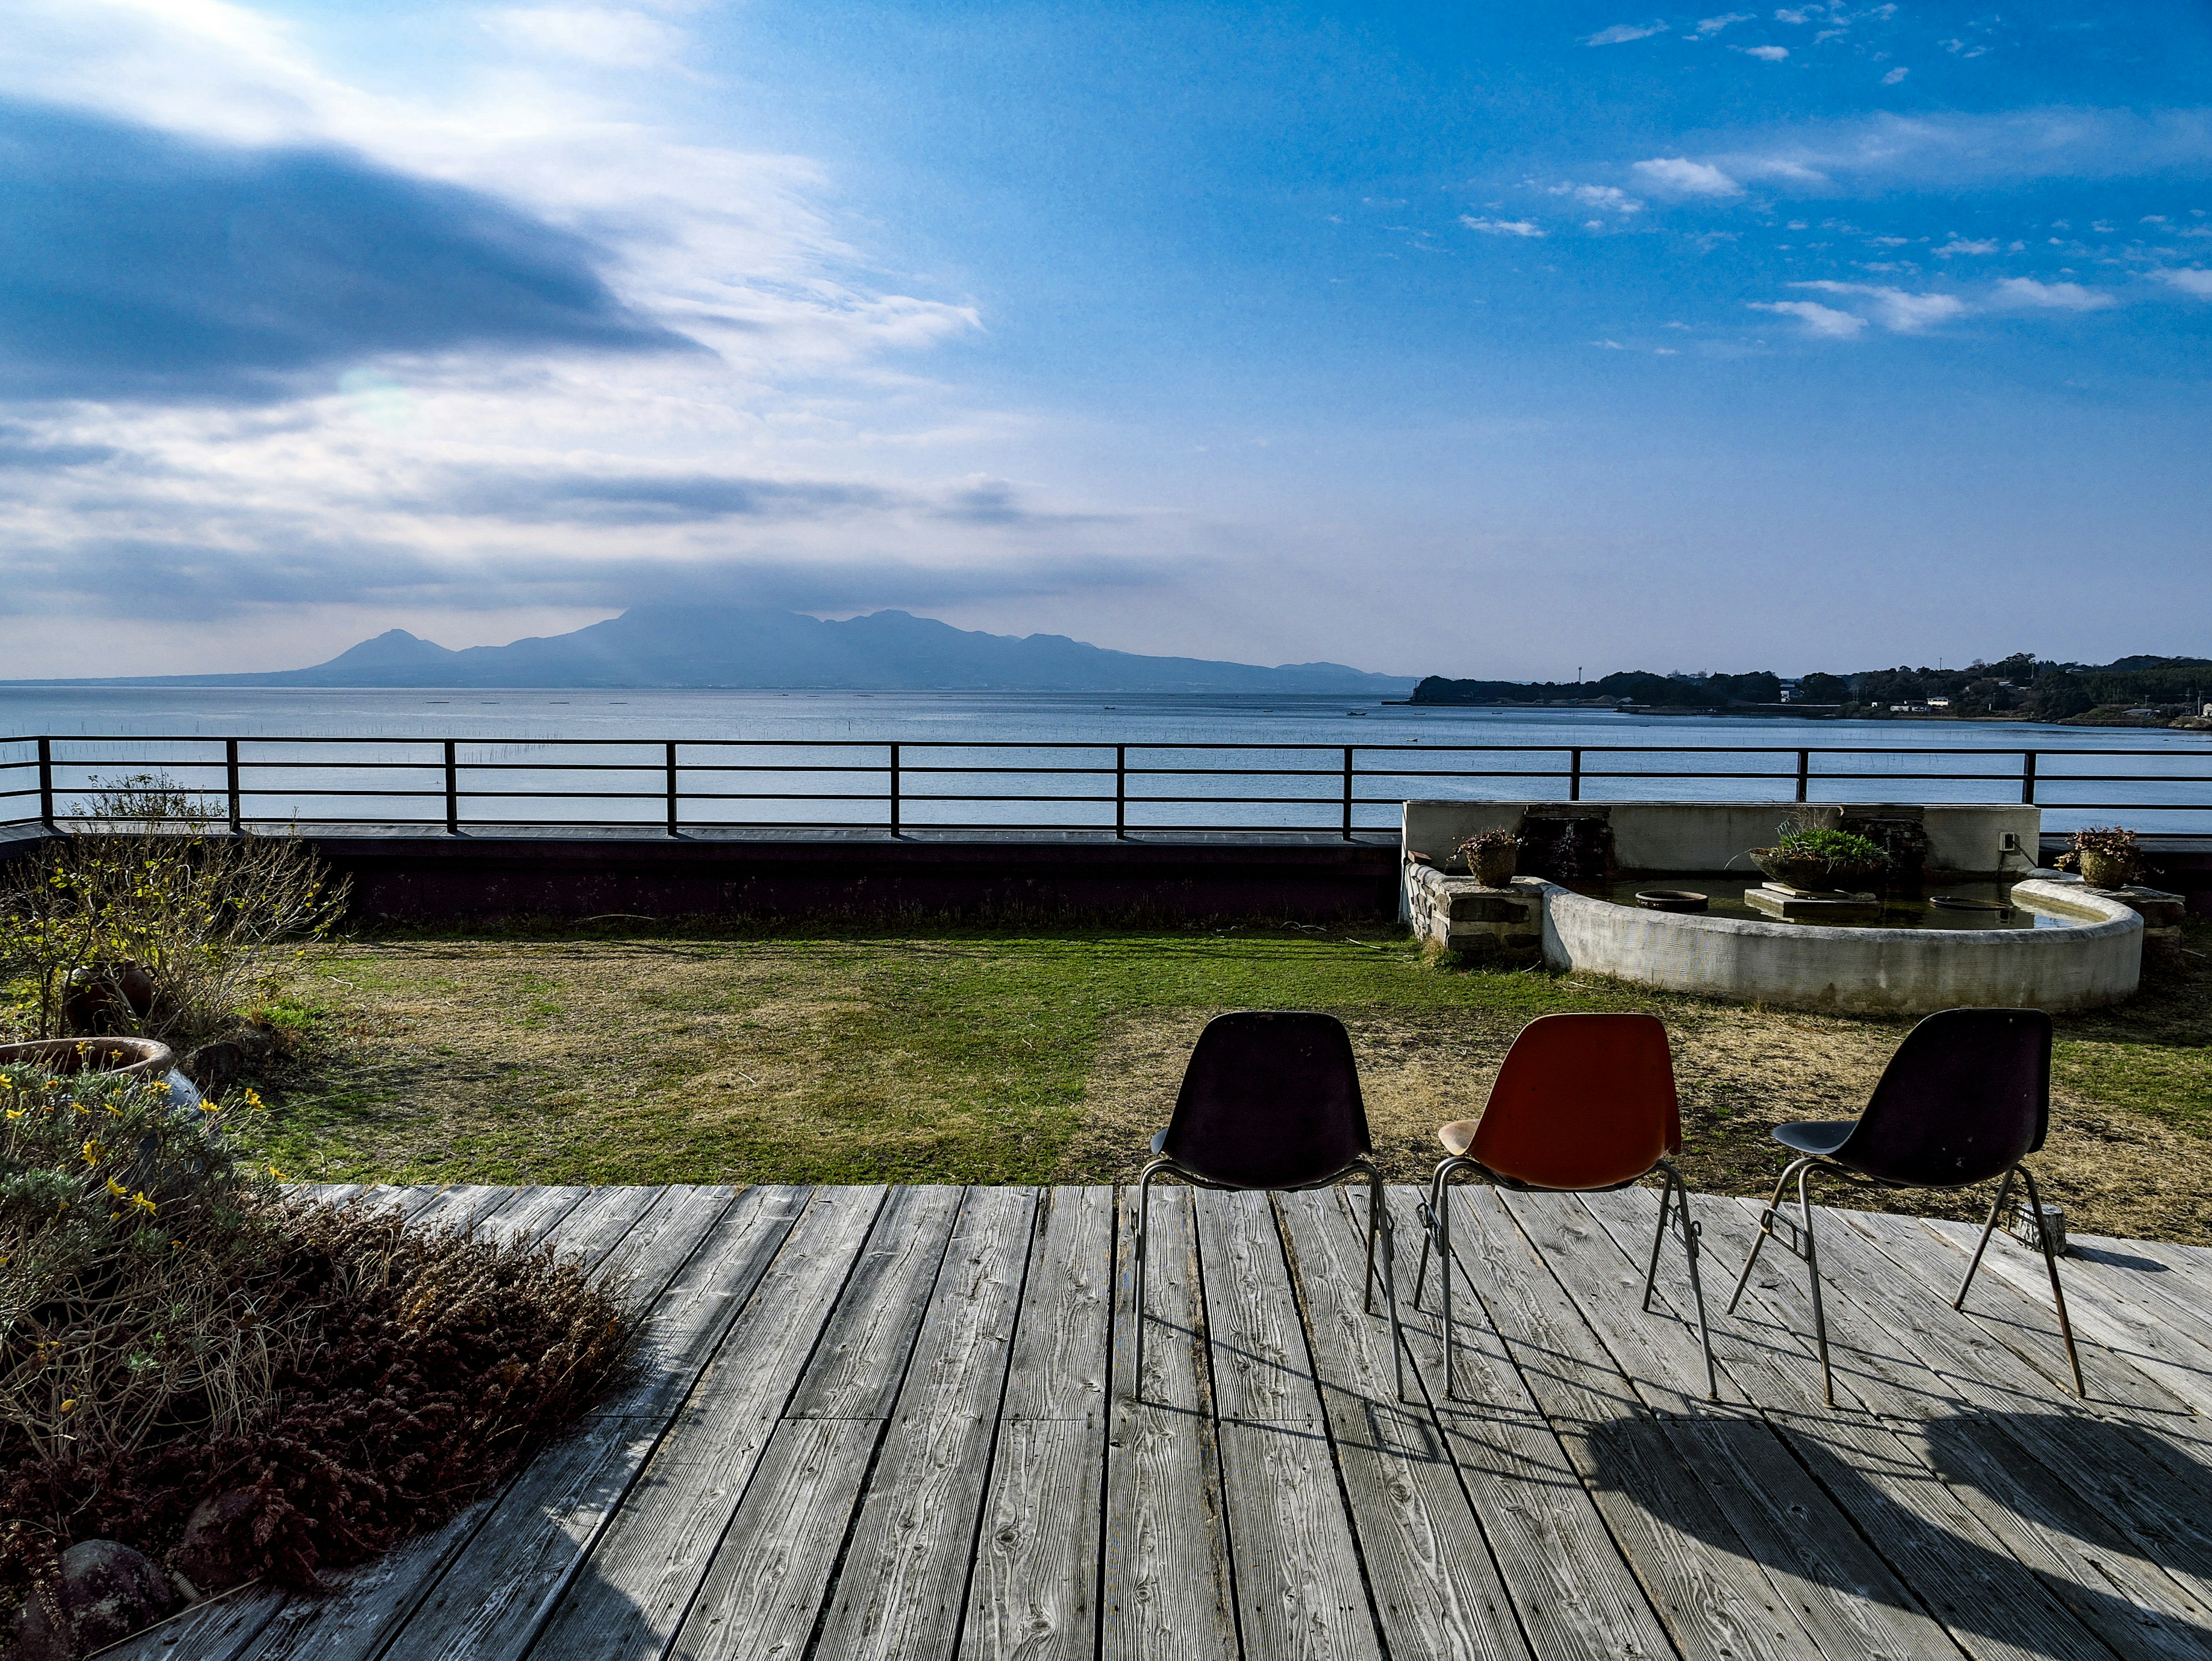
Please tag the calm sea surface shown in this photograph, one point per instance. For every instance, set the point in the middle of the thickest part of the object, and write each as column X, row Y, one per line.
column 802, row 757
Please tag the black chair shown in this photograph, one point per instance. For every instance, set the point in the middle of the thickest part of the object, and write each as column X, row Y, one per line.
column 1966, row 1098
column 1271, row 1099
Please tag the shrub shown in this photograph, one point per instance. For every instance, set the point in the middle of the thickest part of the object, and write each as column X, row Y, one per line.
column 159, row 928
column 174, row 1328
column 1484, row 841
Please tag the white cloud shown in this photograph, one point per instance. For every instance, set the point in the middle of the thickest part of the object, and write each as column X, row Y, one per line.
column 2054, row 296
column 1823, row 321
column 1621, row 33
column 1715, row 25
column 1960, row 245
column 590, row 34
column 1798, row 14
column 1502, row 226
column 1895, row 75
column 1769, row 54
column 2189, row 280
column 1610, row 196
column 1899, row 310
column 1684, row 177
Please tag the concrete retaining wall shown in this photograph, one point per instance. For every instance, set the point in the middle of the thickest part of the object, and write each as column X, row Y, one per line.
column 1901, row 972
column 1965, row 840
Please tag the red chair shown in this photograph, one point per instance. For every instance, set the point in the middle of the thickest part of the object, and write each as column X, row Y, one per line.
column 1584, row 1104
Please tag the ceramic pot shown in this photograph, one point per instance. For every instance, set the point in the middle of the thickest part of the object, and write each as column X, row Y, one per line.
column 1494, row 866
column 2103, row 870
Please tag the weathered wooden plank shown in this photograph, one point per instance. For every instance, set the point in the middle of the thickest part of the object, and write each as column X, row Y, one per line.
column 1847, row 1597
column 622, row 1564
column 1698, row 1574
column 460, row 1206
column 763, row 1592
column 1963, row 1547
column 1436, row 1592
column 1260, row 1367
column 1299, row 1589
column 2142, row 1330
column 1034, row 1596
column 595, row 1230
column 904, row 1586
column 1167, row 1580
column 1572, row 1590
column 210, row 1631
column 1058, row 1369
column 1034, row 1590
column 527, row 1214
column 857, row 1366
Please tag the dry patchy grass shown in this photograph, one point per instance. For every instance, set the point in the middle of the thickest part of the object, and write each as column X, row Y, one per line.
column 1005, row 1057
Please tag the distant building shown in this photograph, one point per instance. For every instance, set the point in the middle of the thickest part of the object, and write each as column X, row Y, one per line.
column 1939, row 704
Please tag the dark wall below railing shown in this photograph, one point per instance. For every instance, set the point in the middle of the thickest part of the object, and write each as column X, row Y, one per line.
column 488, row 878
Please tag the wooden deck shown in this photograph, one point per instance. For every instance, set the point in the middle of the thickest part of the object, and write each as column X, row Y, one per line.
column 877, row 1422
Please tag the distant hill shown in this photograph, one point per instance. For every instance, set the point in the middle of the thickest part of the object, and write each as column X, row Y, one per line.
column 885, row 651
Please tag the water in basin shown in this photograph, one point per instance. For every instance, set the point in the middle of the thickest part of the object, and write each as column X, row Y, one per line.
column 1726, row 893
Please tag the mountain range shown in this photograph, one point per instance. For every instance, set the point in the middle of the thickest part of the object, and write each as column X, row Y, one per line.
column 680, row 645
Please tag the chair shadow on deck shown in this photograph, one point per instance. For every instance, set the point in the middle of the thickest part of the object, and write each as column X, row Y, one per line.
column 1989, row 1461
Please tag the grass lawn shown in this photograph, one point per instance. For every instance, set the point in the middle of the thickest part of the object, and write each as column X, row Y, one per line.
column 1041, row 1055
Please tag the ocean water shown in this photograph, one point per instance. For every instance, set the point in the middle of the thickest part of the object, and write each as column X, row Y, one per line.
column 1031, row 759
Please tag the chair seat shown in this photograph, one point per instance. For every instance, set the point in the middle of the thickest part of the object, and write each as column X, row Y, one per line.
column 1816, row 1136
column 1458, row 1136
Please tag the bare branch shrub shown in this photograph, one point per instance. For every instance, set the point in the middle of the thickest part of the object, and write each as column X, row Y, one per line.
column 159, row 926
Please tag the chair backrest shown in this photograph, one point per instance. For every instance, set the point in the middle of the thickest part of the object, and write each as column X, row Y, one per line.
column 1270, row 1099
column 1967, row 1095
column 1582, row 1102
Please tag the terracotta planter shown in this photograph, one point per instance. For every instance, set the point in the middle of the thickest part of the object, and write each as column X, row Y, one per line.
column 1493, row 867
column 134, row 1058
column 2103, row 870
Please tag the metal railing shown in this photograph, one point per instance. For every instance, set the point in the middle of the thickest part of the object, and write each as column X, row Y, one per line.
column 1129, row 788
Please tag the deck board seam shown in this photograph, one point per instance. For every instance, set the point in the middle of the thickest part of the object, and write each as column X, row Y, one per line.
column 1105, row 1416
column 1212, row 1388
column 681, row 1617
column 828, row 1602
column 1039, row 1216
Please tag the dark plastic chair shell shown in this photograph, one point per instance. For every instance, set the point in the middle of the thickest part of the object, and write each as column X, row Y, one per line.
column 1270, row 1099
column 1965, row 1097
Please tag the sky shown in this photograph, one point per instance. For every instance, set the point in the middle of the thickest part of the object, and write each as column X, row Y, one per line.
column 1481, row 340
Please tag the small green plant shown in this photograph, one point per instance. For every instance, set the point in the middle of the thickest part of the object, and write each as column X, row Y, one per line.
column 1487, row 842
column 1832, row 848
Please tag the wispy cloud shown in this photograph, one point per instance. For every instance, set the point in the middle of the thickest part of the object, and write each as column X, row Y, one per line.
column 1609, row 197
column 2053, row 297
column 590, row 34
column 1899, row 310
column 1896, row 76
column 1957, row 244
column 1715, row 25
column 2189, row 279
column 1769, row 54
column 1621, row 34
column 1680, row 176
column 1502, row 226
column 1823, row 321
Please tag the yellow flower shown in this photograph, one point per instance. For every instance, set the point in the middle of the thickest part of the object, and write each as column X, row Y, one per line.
column 277, row 1174
column 91, row 1152
column 68, row 1405
column 206, row 1106
column 118, row 1190
column 252, row 1100
column 17, row 1112
column 144, row 1204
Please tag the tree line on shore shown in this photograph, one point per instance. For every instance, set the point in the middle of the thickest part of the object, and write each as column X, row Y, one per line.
column 2022, row 686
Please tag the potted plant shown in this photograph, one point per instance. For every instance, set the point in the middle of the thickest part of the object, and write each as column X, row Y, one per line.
column 2108, row 857
column 1491, row 857
column 1816, row 857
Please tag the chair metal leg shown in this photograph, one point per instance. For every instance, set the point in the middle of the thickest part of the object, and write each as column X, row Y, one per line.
column 1759, row 1239
column 2058, row 1296
column 1812, row 1254
column 1677, row 1195
column 1996, row 1209
column 1144, row 1231
column 1378, row 1222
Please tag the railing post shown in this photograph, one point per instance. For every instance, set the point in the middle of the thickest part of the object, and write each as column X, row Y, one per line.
column 1804, row 772
column 46, row 783
column 2027, row 778
column 1121, row 793
column 230, row 770
column 671, row 788
column 452, row 792
column 1348, row 793
column 895, row 830
column 1574, row 776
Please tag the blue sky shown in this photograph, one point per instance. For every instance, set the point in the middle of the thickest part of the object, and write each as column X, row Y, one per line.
column 1481, row 340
